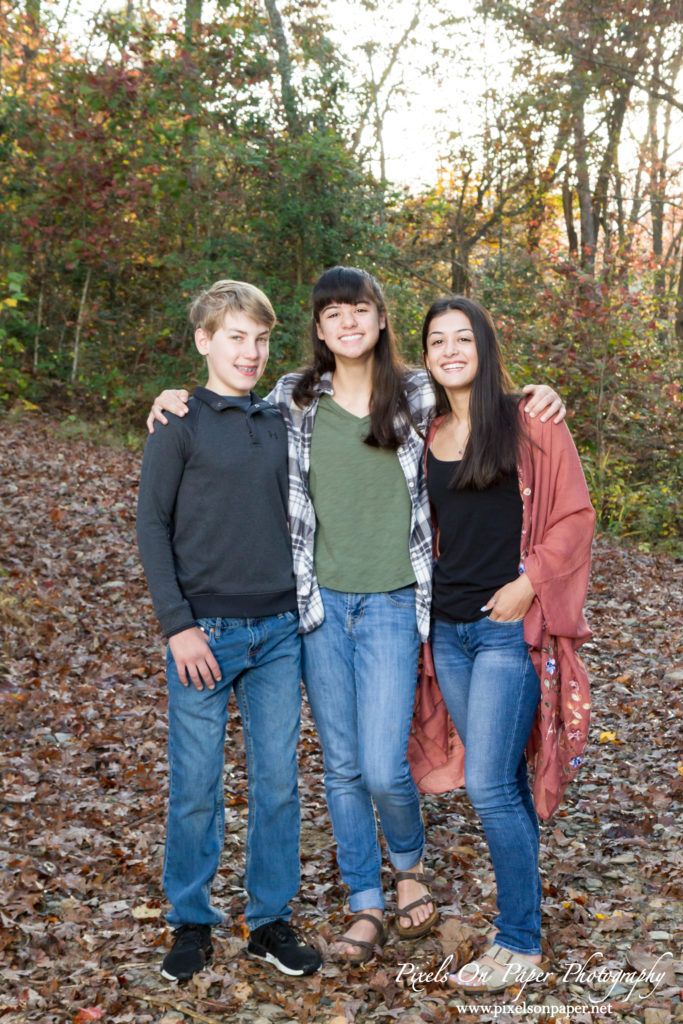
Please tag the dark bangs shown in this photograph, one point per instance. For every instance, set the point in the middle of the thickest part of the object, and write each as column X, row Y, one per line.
column 390, row 419
column 344, row 284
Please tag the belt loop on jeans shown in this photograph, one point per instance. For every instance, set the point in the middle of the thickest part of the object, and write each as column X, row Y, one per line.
column 217, row 628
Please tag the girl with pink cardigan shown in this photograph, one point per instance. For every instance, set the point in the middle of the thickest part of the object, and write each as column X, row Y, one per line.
column 514, row 527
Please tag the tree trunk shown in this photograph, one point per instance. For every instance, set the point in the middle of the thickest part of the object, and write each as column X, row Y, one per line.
column 678, row 322
column 460, row 265
column 609, row 163
column 284, row 67
column 568, row 208
column 39, row 323
column 79, row 326
column 588, row 237
column 193, row 15
column 538, row 208
column 657, row 182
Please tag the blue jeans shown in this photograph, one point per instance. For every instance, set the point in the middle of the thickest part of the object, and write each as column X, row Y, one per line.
column 491, row 690
column 360, row 672
column 261, row 660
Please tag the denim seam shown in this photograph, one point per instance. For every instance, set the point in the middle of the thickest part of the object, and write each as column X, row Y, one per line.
column 249, row 752
column 520, row 813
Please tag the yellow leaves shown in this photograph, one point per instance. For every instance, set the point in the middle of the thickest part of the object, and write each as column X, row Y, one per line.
column 679, row 768
column 608, row 737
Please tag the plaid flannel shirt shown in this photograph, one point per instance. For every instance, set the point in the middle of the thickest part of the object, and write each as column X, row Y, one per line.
column 302, row 519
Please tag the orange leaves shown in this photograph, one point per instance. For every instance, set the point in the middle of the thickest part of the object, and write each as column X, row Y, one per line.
column 91, row 1013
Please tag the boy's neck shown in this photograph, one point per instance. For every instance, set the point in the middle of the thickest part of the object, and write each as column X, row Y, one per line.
column 223, row 392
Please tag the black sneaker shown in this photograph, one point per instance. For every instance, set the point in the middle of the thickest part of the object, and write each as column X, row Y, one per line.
column 191, row 952
column 278, row 944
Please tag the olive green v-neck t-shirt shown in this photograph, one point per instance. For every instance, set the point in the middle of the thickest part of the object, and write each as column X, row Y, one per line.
column 362, row 506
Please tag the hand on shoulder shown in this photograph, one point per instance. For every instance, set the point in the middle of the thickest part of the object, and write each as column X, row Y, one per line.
column 544, row 403
column 169, row 401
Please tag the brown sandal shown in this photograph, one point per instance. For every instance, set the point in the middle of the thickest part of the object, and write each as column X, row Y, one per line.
column 366, row 950
column 506, row 968
column 415, row 930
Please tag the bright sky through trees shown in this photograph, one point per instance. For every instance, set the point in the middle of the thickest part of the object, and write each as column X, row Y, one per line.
column 429, row 97
column 526, row 152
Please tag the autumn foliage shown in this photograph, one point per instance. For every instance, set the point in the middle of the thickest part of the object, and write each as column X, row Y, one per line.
column 161, row 153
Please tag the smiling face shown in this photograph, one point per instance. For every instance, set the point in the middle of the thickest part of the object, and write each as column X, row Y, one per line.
column 236, row 354
column 451, row 351
column 350, row 329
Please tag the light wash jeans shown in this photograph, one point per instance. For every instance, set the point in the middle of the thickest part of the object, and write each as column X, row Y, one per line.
column 261, row 660
column 360, row 672
column 491, row 690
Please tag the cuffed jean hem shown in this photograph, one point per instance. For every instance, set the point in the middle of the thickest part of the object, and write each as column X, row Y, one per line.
column 176, row 921
column 369, row 899
column 523, row 952
column 285, row 916
column 406, row 861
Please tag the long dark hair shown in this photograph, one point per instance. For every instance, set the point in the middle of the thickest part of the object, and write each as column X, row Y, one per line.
column 495, row 429
column 389, row 411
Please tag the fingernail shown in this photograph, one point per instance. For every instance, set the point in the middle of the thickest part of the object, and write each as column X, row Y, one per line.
column 484, row 609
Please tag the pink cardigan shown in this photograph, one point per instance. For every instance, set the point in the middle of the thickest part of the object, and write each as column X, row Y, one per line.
column 557, row 530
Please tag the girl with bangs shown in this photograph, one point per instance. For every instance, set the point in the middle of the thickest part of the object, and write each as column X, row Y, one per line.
column 362, row 550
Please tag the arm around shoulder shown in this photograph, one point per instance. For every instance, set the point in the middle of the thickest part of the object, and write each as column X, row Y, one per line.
column 281, row 394
column 170, row 400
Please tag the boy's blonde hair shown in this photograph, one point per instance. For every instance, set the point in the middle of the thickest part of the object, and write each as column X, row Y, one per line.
column 209, row 308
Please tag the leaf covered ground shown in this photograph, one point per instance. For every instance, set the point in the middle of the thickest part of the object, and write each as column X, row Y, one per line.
column 83, row 787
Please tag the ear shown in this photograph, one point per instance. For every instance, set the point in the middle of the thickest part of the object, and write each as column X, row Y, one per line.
column 321, row 337
column 201, row 340
column 382, row 321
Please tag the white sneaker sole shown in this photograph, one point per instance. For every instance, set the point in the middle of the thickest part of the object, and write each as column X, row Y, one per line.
column 174, row 977
column 269, row 958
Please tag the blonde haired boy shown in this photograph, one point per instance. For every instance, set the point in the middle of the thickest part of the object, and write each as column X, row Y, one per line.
column 215, row 545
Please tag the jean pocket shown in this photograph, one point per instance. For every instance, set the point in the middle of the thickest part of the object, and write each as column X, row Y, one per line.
column 288, row 616
column 498, row 622
column 402, row 598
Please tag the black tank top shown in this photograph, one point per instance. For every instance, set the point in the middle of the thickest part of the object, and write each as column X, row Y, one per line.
column 479, row 541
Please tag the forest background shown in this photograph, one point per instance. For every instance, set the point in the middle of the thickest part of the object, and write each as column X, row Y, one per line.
column 161, row 146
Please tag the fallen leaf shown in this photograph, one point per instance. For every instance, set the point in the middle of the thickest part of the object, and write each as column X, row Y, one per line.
column 146, row 913
column 662, row 963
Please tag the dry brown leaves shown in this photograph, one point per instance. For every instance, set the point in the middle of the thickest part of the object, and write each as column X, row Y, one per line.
column 84, row 778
